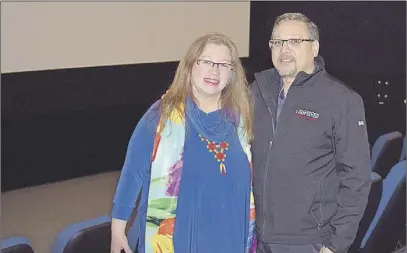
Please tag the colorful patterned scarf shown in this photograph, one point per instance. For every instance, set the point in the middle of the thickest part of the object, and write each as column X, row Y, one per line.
column 166, row 170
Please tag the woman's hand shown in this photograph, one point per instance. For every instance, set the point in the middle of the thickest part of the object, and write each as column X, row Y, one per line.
column 119, row 239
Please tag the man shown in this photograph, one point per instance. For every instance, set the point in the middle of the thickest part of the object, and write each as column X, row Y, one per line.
column 311, row 155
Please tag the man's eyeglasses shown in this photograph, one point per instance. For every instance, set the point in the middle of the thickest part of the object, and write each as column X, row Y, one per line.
column 277, row 43
column 211, row 64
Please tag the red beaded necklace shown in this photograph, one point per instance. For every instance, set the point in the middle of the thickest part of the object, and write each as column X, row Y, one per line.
column 219, row 150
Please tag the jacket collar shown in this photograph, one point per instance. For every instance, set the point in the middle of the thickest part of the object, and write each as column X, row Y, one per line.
column 302, row 77
column 269, row 81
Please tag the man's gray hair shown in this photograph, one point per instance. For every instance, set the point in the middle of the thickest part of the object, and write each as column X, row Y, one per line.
column 312, row 27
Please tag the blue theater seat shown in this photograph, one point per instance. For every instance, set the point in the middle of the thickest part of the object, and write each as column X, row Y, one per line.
column 90, row 236
column 401, row 250
column 16, row 245
column 386, row 152
column 390, row 219
column 403, row 151
column 375, row 195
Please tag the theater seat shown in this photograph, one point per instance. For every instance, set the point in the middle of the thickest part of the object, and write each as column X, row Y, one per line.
column 390, row 219
column 386, row 152
column 375, row 195
column 16, row 245
column 90, row 236
column 401, row 250
column 403, row 151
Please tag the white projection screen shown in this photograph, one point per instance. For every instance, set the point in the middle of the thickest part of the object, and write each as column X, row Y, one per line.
column 55, row 35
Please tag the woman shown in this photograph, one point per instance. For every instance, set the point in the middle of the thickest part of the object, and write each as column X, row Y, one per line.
column 190, row 158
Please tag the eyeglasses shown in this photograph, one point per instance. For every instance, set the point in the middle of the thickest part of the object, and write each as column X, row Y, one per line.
column 210, row 64
column 277, row 43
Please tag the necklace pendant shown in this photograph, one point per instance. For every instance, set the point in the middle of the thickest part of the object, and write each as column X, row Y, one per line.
column 222, row 169
column 218, row 149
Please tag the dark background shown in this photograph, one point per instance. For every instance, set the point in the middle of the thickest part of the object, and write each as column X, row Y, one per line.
column 67, row 123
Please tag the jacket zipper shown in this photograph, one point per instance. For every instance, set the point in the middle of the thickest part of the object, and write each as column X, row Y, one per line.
column 319, row 221
column 270, row 145
column 320, row 205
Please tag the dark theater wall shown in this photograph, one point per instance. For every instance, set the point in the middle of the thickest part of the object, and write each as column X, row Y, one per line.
column 61, row 124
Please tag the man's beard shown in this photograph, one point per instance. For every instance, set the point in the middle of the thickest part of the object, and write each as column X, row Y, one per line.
column 287, row 73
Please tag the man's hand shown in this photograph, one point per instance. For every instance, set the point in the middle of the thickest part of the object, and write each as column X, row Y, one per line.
column 325, row 250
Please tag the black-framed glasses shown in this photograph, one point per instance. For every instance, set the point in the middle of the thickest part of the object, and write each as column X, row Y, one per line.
column 277, row 43
column 211, row 64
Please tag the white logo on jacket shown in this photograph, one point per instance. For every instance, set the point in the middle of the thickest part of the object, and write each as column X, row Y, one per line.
column 307, row 114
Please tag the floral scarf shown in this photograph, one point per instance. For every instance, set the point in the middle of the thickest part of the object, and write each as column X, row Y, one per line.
column 166, row 168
